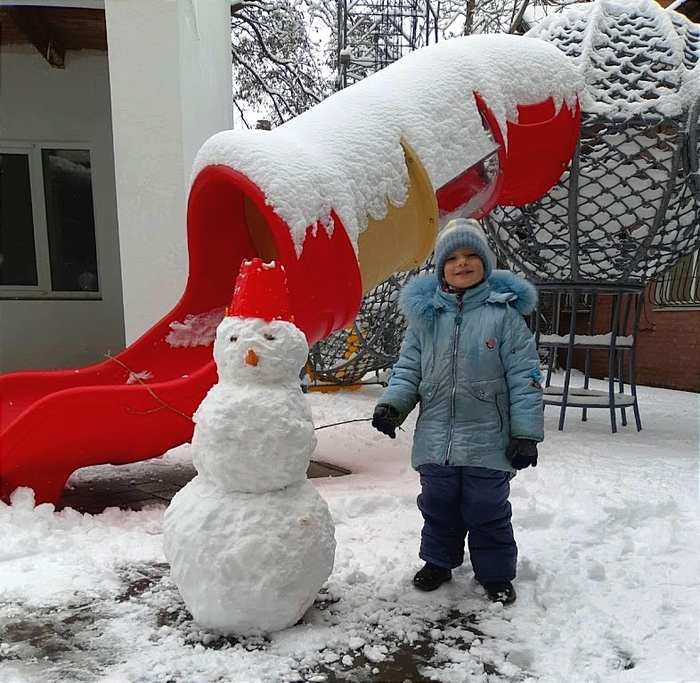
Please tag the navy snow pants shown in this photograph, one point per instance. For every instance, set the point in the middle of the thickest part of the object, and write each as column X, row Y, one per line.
column 472, row 503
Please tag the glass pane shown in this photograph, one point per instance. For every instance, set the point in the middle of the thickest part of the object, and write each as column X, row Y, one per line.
column 70, row 220
column 17, row 255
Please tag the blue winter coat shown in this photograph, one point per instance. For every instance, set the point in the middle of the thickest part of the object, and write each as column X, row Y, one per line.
column 473, row 366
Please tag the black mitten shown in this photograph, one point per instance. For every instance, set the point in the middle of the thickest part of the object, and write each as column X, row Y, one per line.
column 386, row 419
column 522, row 453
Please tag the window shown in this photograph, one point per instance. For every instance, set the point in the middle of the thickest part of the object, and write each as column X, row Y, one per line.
column 47, row 224
column 17, row 248
column 679, row 287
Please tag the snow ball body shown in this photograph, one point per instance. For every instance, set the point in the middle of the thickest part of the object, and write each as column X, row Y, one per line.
column 254, row 430
column 248, row 563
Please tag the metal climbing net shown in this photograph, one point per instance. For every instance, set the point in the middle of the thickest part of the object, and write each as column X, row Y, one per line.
column 626, row 210
column 628, row 207
column 371, row 343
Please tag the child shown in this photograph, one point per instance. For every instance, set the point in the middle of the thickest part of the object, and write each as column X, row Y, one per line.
column 470, row 360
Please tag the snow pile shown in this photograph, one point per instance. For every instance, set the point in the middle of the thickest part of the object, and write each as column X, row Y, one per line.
column 195, row 330
column 344, row 155
column 36, row 537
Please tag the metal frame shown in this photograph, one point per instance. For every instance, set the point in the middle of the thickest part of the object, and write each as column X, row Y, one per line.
column 680, row 286
column 619, row 341
column 348, row 357
column 615, row 218
column 624, row 213
column 626, row 210
column 375, row 33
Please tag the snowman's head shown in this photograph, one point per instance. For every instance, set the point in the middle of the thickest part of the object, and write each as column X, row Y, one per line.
column 257, row 340
column 259, row 351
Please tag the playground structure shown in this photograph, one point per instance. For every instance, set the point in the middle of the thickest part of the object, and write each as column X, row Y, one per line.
column 627, row 210
column 371, row 343
column 624, row 213
column 347, row 358
column 138, row 404
column 375, row 33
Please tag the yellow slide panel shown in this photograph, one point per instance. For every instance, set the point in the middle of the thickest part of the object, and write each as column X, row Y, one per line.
column 404, row 238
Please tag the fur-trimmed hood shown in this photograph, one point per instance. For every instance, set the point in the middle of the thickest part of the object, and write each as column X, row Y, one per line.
column 423, row 297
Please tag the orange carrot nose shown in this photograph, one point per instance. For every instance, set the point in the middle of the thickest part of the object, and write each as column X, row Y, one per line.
column 251, row 358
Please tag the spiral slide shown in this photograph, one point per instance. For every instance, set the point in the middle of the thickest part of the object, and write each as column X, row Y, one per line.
column 139, row 404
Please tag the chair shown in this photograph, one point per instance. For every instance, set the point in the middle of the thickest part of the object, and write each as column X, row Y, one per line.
column 618, row 341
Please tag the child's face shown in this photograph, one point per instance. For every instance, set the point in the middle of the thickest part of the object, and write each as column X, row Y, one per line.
column 463, row 268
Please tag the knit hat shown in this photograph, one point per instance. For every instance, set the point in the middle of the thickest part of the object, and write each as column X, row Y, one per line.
column 464, row 233
column 261, row 292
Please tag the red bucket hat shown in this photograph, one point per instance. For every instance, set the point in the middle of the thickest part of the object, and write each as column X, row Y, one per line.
column 261, row 292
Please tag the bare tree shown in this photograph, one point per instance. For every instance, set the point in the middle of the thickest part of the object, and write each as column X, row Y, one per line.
column 366, row 35
column 276, row 65
column 464, row 17
column 290, row 54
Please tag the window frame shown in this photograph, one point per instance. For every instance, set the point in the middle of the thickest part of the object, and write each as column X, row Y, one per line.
column 42, row 290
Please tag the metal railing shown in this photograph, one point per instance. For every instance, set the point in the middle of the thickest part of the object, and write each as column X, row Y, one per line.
column 679, row 287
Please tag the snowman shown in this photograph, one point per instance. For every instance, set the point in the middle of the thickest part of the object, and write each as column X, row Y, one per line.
column 250, row 541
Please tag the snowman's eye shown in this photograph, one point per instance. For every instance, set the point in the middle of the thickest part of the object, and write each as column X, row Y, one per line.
column 269, row 337
column 233, row 338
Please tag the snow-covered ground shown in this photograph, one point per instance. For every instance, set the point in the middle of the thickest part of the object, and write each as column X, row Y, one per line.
column 608, row 584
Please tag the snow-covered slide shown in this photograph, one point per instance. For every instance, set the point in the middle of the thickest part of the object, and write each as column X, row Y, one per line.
column 344, row 195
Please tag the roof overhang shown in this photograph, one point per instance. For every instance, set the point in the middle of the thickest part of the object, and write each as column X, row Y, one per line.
column 53, row 30
column 84, row 4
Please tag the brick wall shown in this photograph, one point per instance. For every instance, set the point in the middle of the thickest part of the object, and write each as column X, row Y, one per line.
column 668, row 348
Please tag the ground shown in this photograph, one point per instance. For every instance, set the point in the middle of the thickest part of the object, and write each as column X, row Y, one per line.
column 608, row 588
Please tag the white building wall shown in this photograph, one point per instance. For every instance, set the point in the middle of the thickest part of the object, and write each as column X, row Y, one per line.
column 170, row 75
column 40, row 104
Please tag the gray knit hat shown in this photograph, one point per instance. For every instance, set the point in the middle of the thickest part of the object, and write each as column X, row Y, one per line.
column 465, row 233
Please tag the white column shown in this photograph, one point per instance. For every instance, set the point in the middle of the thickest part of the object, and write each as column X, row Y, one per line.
column 170, row 80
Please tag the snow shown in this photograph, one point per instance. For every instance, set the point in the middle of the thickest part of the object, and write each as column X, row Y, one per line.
column 635, row 56
column 344, row 154
column 195, row 330
column 253, row 431
column 248, row 563
column 608, row 586
column 591, row 398
column 142, row 376
column 603, row 340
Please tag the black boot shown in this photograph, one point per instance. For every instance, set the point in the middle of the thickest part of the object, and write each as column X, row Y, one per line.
column 431, row 577
column 500, row 591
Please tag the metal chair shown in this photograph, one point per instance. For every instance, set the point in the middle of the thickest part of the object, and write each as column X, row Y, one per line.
column 618, row 342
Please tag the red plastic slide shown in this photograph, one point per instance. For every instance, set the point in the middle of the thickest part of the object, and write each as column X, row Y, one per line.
column 139, row 404
column 55, row 422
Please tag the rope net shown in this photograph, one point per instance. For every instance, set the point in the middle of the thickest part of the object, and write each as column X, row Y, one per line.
column 373, row 341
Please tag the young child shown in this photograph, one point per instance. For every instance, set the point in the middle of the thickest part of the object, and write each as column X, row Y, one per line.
column 470, row 360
